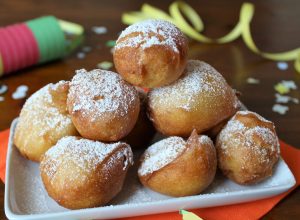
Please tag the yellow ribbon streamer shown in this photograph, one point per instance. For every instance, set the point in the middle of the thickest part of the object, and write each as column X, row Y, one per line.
column 71, row 27
column 180, row 10
column 189, row 215
column 75, row 30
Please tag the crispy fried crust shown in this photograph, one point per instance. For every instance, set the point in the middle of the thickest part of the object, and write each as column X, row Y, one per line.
column 155, row 65
column 189, row 174
column 44, row 119
column 190, row 103
column 86, row 188
column 103, row 124
column 247, row 148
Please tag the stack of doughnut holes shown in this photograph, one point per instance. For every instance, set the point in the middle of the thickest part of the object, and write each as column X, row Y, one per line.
column 83, row 131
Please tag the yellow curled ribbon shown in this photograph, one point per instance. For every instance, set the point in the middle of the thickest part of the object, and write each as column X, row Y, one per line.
column 73, row 31
column 180, row 10
column 189, row 215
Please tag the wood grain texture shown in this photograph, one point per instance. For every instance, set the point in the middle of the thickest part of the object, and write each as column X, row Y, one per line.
column 275, row 28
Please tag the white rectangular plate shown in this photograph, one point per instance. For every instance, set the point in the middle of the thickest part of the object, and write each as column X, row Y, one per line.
column 26, row 198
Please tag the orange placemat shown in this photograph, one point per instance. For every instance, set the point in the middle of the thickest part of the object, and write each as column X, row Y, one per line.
column 244, row 211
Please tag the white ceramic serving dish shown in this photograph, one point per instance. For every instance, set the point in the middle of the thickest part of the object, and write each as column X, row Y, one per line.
column 26, row 198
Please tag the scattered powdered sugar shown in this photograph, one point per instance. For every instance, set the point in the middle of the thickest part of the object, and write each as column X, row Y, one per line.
column 150, row 32
column 161, row 154
column 86, row 154
column 100, row 92
column 29, row 191
column 133, row 191
column 41, row 111
column 198, row 78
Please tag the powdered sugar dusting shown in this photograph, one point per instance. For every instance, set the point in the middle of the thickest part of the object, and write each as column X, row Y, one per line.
column 161, row 154
column 100, row 92
column 246, row 112
column 41, row 111
column 86, row 154
column 150, row 32
column 203, row 139
column 237, row 134
column 266, row 134
column 199, row 77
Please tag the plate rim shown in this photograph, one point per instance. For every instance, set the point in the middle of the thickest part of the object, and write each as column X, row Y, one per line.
column 71, row 213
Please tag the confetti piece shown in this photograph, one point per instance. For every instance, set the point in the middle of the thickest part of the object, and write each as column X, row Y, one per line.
column 22, row 88
column 251, row 80
column 99, row 29
column 106, row 65
column 281, row 109
column 282, row 99
column 70, row 27
column 189, row 215
column 18, row 95
column 80, row 55
column 112, row 50
column 1, row 99
column 110, row 43
column 281, row 88
column 285, row 99
column 3, row 89
column 20, row 92
column 86, row 49
column 289, row 84
column 282, row 65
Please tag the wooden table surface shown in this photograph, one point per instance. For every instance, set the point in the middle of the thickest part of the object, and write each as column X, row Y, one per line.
column 275, row 28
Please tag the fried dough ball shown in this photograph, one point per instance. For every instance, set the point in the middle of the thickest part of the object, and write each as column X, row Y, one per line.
column 247, row 148
column 199, row 100
column 176, row 167
column 43, row 120
column 151, row 53
column 214, row 131
column 143, row 131
column 80, row 173
column 102, row 105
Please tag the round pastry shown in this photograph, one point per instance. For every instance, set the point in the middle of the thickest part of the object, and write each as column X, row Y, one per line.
column 176, row 167
column 151, row 53
column 143, row 127
column 199, row 100
column 214, row 131
column 43, row 120
column 80, row 173
column 247, row 148
column 102, row 105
